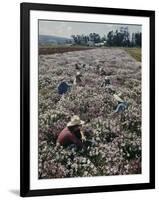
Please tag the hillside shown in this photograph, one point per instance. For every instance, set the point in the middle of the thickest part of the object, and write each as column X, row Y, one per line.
column 48, row 40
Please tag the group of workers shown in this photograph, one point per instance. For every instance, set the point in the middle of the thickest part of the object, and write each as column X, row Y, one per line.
column 72, row 134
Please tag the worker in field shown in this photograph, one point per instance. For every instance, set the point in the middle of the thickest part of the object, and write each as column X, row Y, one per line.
column 106, row 82
column 102, row 72
column 72, row 135
column 63, row 87
column 122, row 105
column 77, row 80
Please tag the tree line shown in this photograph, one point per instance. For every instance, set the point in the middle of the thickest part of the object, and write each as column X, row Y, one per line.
column 119, row 37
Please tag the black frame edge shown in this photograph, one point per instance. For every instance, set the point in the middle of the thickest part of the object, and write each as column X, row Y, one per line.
column 87, row 9
column 152, row 99
column 24, row 101
column 93, row 189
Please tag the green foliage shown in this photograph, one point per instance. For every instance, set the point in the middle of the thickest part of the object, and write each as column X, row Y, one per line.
column 118, row 38
column 135, row 53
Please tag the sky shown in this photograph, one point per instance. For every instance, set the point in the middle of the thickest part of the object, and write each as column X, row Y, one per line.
column 66, row 29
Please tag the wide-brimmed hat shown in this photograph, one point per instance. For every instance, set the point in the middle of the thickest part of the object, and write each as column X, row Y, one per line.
column 75, row 121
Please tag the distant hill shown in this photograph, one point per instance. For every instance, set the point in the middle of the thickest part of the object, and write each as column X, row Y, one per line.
column 48, row 39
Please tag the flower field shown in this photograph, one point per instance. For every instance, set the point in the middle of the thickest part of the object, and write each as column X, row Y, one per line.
column 116, row 147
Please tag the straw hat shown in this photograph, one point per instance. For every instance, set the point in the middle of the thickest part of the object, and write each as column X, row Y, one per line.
column 75, row 121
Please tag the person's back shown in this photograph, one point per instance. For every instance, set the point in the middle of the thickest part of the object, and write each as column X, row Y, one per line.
column 66, row 138
column 63, row 87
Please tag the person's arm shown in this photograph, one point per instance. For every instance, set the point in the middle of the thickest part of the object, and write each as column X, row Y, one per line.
column 83, row 137
column 102, row 84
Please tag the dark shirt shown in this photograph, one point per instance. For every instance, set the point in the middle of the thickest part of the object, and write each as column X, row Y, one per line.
column 66, row 138
column 63, row 87
column 105, row 83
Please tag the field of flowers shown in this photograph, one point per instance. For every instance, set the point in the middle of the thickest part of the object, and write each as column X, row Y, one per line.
column 116, row 147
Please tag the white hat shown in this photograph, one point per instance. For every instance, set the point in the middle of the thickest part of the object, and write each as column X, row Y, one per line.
column 117, row 97
column 75, row 121
column 78, row 74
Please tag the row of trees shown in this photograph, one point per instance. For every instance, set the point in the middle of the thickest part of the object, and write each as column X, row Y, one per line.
column 119, row 37
column 84, row 39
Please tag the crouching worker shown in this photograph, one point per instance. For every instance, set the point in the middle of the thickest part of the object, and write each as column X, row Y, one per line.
column 122, row 105
column 72, row 136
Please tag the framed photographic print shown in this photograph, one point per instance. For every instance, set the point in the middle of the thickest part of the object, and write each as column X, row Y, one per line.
column 87, row 99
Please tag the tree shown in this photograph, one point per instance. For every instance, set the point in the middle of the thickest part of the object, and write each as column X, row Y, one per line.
column 138, row 39
column 133, row 42
column 119, row 37
column 126, row 36
column 94, row 37
column 83, row 39
column 110, row 38
column 75, row 38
